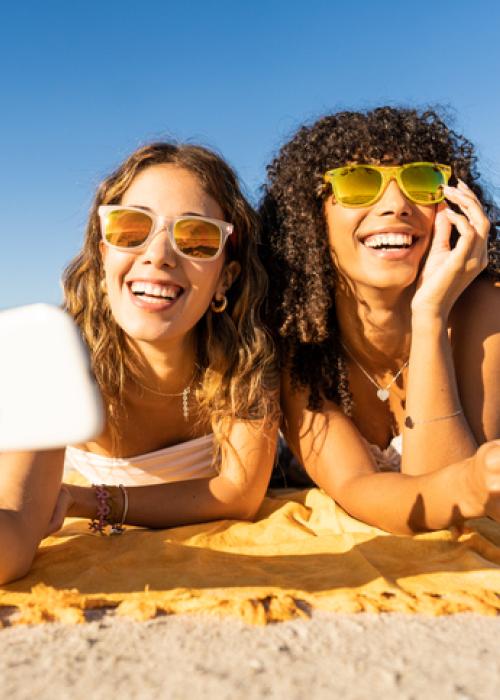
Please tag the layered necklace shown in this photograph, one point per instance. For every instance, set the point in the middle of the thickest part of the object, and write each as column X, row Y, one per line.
column 184, row 394
column 382, row 391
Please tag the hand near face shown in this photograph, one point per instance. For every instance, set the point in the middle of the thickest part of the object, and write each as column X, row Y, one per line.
column 446, row 271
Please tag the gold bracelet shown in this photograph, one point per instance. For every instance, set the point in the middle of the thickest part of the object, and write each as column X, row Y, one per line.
column 410, row 423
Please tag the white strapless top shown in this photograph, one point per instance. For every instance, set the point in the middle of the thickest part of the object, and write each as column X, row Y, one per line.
column 389, row 459
column 188, row 460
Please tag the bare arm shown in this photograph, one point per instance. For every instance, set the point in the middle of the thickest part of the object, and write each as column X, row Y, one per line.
column 29, row 485
column 476, row 344
column 432, row 392
column 338, row 460
column 235, row 493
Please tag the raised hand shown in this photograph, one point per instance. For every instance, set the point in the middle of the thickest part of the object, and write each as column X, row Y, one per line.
column 446, row 271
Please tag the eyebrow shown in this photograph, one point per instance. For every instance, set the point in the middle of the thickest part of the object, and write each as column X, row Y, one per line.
column 184, row 213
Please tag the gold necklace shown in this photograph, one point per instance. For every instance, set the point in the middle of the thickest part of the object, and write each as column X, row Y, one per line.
column 382, row 391
column 184, row 393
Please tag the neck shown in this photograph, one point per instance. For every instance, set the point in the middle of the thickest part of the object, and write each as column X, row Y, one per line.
column 168, row 368
column 375, row 324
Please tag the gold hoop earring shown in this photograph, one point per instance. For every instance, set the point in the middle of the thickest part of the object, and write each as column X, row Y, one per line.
column 218, row 308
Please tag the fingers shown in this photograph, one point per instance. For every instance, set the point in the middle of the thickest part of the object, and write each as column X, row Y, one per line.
column 470, row 251
column 442, row 230
column 55, row 524
column 465, row 198
column 489, row 454
column 60, row 510
column 473, row 226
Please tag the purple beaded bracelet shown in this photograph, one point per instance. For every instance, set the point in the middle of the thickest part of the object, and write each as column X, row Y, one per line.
column 104, row 515
column 98, row 524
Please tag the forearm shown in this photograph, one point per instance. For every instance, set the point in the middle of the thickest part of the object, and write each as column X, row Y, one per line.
column 407, row 504
column 29, row 483
column 432, row 393
column 179, row 503
column 16, row 552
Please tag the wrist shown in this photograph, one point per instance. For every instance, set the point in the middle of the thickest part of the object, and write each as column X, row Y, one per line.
column 84, row 503
column 428, row 321
column 473, row 493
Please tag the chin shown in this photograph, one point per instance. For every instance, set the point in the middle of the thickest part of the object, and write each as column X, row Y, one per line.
column 396, row 279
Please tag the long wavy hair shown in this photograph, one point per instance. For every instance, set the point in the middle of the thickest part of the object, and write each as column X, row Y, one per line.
column 301, row 305
column 235, row 353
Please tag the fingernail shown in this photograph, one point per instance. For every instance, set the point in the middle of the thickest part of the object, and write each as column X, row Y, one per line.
column 450, row 212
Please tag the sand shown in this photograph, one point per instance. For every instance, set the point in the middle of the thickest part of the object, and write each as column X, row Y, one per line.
column 328, row 656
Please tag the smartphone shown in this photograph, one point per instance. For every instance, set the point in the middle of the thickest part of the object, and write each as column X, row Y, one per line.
column 48, row 395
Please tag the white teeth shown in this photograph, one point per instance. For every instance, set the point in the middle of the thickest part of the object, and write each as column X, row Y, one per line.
column 381, row 240
column 167, row 291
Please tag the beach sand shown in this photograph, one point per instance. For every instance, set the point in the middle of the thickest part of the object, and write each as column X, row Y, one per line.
column 328, row 656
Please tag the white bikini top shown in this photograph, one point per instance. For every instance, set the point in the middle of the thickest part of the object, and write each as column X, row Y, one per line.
column 388, row 459
column 188, row 460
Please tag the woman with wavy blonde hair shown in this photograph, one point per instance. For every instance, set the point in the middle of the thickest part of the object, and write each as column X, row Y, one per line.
column 166, row 292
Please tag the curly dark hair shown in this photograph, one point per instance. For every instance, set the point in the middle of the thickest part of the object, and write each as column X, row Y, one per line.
column 301, row 307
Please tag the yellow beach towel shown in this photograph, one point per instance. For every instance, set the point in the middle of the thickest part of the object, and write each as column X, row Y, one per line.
column 302, row 552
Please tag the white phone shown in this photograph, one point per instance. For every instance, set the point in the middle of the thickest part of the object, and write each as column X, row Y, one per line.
column 48, row 396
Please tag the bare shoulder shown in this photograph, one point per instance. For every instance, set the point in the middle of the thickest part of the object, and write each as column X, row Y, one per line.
column 299, row 421
column 295, row 399
column 475, row 338
column 478, row 308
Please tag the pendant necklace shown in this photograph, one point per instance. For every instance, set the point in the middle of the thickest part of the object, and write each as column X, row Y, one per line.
column 382, row 391
column 184, row 393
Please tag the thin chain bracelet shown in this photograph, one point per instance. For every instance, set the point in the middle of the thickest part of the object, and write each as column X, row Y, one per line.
column 410, row 423
column 117, row 528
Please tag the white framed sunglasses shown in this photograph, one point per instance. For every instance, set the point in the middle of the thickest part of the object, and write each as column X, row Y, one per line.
column 193, row 237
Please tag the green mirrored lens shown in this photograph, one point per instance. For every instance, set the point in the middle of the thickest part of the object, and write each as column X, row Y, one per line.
column 423, row 183
column 357, row 186
column 127, row 229
column 197, row 238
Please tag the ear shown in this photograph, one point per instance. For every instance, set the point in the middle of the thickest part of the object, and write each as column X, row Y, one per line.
column 103, row 249
column 229, row 273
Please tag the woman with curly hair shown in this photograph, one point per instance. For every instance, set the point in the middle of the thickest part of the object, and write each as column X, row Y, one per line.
column 166, row 292
column 376, row 239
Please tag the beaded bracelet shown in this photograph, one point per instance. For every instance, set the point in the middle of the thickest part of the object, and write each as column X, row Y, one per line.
column 104, row 513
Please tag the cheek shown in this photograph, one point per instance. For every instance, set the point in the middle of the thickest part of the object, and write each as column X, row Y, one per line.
column 427, row 215
column 204, row 278
column 115, row 264
column 341, row 226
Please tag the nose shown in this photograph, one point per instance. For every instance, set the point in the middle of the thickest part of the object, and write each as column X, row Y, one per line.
column 393, row 202
column 159, row 251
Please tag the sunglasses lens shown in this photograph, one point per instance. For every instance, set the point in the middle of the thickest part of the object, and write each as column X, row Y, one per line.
column 355, row 187
column 127, row 229
column 423, row 183
column 197, row 238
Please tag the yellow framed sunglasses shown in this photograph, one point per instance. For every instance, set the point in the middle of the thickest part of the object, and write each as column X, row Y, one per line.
column 361, row 185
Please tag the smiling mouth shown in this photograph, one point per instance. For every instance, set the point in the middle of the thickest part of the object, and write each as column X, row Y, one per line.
column 389, row 241
column 155, row 293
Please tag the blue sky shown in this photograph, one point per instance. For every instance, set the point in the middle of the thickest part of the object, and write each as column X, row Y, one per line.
column 83, row 83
